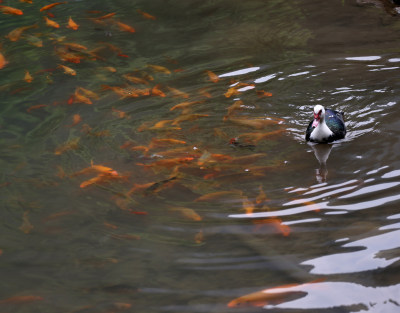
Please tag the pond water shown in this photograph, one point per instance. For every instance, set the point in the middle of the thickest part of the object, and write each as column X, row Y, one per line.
column 154, row 160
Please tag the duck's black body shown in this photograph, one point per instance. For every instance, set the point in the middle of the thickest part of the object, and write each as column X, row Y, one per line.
column 335, row 122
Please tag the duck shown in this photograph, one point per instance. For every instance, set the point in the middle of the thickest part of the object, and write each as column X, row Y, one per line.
column 327, row 126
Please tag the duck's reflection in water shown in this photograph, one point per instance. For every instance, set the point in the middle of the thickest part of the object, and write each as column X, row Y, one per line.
column 321, row 152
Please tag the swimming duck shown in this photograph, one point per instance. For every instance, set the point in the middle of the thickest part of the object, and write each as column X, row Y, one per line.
column 327, row 126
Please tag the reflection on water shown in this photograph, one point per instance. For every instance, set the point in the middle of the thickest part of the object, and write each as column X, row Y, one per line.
column 166, row 169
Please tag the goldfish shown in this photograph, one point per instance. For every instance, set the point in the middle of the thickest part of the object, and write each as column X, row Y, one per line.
column 277, row 223
column 134, row 79
column 130, row 92
column 218, row 195
column 248, row 206
column 261, row 197
column 188, row 117
column 76, row 119
column 34, row 41
column 157, row 91
column 67, row 70
column 34, row 107
column 163, row 124
column 187, row 213
column 15, row 34
column 110, row 69
column 184, row 105
column 72, row 144
column 257, row 123
column 74, row 46
column 159, row 68
column 28, row 78
column 237, row 105
column 93, row 168
column 168, row 163
column 178, row 93
column 109, row 225
column 71, row 24
column 88, row 93
column 212, row 76
column 262, row 93
column 231, row 92
column 51, row 23
column 3, row 61
column 26, row 1
column 267, row 296
column 10, row 10
column 146, row 15
column 21, row 299
column 125, row 27
column 255, row 137
column 52, row 5
column 157, row 142
column 107, row 16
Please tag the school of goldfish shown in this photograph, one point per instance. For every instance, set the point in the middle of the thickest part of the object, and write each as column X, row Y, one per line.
column 164, row 152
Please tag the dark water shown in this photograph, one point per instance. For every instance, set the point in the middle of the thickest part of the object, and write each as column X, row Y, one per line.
column 190, row 224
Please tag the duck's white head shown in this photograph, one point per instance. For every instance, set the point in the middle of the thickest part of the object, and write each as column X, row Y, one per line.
column 319, row 115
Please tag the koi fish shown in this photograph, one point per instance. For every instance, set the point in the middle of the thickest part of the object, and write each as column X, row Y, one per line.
column 21, row 299
column 256, row 137
column 10, row 10
column 34, row 41
column 168, row 163
column 28, row 78
column 212, row 76
column 277, row 223
column 248, row 206
column 262, row 197
column 134, row 79
column 188, row 213
column 262, row 93
column 67, row 70
column 15, row 34
column 26, row 1
column 71, row 24
column 72, row 144
column 178, row 93
column 160, row 142
column 51, row 23
column 184, row 105
column 218, row 195
column 104, row 17
column 3, row 61
column 52, row 5
column 146, row 15
column 159, row 68
column 76, row 119
column 257, row 123
column 157, row 91
column 188, row 117
column 268, row 296
column 34, row 107
column 237, row 105
column 88, row 93
column 125, row 27
column 74, row 46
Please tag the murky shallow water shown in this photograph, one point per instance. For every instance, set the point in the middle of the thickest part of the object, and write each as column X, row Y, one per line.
column 228, row 220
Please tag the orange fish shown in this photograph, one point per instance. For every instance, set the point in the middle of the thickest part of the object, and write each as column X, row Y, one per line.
column 10, row 10
column 262, row 197
column 72, row 144
column 267, row 296
column 52, row 5
column 105, row 16
column 257, row 123
column 255, row 137
column 161, row 142
column 146, row 15
column 125, row 27
column 248, row 206
column 71, row 24
column 3, row 61
column 262, row 93
column 74, row 46
column 178, row 93
column 21, row 299
column 187, row 213
column 134, row 79
column 76, row 119
column 159, row 68
column 80, row 98
column 157, row 91
column 121, row 114
column 276, row 222
column 168, row 163
column 88, row 93
column 28, row 78
column 184, row 105
column 51, row 23
column 188, row 117
column 15, row 34
column 34, row 107
column 218, row 195
column 67, row 70
column 26, row 1
column 212, row 76
column 237, row 105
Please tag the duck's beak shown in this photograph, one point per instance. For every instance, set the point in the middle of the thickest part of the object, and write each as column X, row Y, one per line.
column 315, row 122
